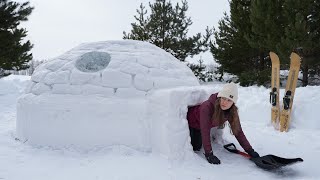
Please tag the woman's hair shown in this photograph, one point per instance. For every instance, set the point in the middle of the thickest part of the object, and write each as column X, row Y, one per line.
column 219, row 115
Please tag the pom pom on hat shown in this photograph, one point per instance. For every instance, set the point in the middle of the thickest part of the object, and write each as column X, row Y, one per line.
column 229, row 91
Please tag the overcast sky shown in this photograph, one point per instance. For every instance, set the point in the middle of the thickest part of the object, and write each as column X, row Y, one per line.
column 55, row 26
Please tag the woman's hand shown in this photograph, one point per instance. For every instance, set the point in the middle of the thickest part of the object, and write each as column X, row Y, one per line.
column 253, row 153
column 212, row 159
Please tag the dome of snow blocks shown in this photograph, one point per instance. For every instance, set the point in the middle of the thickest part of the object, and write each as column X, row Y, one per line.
column 97, row 94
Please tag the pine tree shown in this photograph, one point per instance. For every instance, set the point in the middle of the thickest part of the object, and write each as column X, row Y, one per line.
column 14, row 54
column 232, row 50
column 314, row 71
column 167, row 27
column 267, row 28
column 286, row 26
column 267, row 22
column 301, row 33
column 199, row 71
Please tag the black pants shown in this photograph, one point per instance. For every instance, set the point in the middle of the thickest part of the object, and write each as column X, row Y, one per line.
column 196, row 140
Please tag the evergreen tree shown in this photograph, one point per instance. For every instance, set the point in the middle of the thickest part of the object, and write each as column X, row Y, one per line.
column 14, row 54
column 314, row 71
column 301, row 33
column 199, row 71
column 286, row 26
column 232, row 50
column 167, row 28
column 256, row 27
column 267, row 24
column 267, row 28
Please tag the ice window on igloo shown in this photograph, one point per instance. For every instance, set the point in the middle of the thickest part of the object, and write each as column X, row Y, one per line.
column 93, row 61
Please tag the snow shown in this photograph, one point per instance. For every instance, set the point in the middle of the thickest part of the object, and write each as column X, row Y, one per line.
column 157, row 147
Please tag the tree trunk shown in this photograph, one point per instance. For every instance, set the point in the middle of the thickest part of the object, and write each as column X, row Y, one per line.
column 305, row 73
column 262, row 61
column 1, row 73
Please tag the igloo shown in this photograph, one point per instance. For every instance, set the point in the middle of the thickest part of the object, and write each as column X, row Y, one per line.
column 105, row 93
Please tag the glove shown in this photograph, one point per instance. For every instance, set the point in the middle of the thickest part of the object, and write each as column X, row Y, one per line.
column 212, row 159
column 253, row 153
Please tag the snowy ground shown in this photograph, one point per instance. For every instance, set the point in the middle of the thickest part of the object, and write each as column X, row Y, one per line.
column 21, row 161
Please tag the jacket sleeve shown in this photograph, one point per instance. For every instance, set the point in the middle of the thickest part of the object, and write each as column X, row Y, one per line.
column 205, row 125
column 243, row 140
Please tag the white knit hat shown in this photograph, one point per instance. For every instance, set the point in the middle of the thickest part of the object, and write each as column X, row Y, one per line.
column 229, row 91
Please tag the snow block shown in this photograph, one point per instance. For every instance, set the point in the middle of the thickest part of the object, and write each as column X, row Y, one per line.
column 167, row 111
column 84, row 122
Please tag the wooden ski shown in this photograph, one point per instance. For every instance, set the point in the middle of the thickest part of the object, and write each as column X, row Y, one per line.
column 274, row 94
column 285, row 115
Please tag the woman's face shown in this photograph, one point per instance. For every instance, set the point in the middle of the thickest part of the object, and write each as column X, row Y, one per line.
column 225, row 103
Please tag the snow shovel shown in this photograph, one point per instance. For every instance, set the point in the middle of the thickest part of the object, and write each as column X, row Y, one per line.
column 267, row 162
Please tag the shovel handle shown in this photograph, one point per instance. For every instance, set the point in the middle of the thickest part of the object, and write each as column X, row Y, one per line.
column 232, row 148
column 244, row 154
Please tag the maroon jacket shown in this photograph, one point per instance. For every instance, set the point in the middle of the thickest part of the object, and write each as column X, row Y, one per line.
column 199, row 117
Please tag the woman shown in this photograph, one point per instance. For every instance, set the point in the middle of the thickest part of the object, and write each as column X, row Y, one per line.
column 214, row 112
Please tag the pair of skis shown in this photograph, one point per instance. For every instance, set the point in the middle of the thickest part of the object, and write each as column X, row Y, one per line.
column 281, row 117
